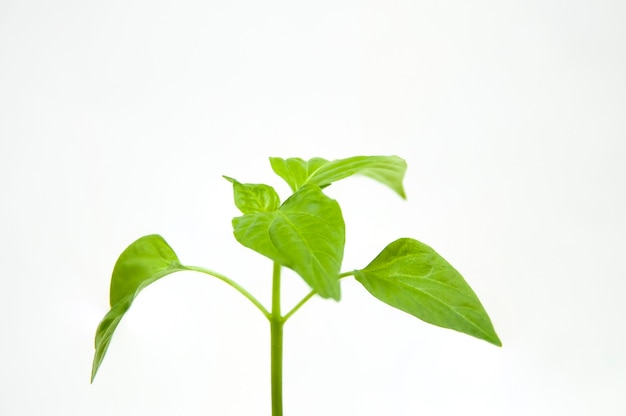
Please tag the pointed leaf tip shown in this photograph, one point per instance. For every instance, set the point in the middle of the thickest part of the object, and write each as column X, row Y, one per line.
column 142, row 263
column 412, row 277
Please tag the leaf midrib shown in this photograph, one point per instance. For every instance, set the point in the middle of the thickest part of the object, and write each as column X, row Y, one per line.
column 389, row 167
column 286, row 218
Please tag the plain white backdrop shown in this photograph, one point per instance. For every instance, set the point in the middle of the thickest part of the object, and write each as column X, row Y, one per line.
column 117, row 119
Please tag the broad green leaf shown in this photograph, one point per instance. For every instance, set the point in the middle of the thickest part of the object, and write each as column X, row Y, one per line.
column 412, row 277
column 251, row 198
column 143, row 262
column 388, row 170
column 306, row 234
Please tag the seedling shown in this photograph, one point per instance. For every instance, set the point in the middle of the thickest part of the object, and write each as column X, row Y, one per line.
column 306, row 233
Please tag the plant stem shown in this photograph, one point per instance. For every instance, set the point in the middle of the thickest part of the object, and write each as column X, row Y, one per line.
column 277, row 322
column 276, row 334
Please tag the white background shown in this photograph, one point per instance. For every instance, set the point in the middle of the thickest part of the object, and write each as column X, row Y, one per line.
column 118, row 118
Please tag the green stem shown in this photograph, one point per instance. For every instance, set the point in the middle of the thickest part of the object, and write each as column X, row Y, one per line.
column 276, row 331
column 234, row 285
column 299, row 305
column 309, row 296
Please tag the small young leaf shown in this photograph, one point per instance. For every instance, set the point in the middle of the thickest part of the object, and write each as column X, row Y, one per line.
column 143, row 262
column 412, row 277
column 296, row 171
column 388, row 170
column 306, row 234
column 250, row 198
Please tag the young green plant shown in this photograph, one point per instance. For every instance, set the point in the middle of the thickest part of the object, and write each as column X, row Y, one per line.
column 306, row 233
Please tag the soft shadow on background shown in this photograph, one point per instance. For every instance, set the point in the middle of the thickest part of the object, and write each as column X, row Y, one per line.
column 118, row 119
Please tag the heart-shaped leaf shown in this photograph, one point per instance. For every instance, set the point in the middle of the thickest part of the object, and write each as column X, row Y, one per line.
column 388, row 170
column 412, row 277
column 142, row 263
column 306, row 234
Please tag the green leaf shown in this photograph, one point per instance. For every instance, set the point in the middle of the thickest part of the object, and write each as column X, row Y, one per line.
column 412, row 277
column 250, row 198
column 388, row 170
column 306, row 234
column 143, row 262
column 296, row 171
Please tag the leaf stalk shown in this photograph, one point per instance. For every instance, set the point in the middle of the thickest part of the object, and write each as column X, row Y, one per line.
column 309, row 296
column 234, row 285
